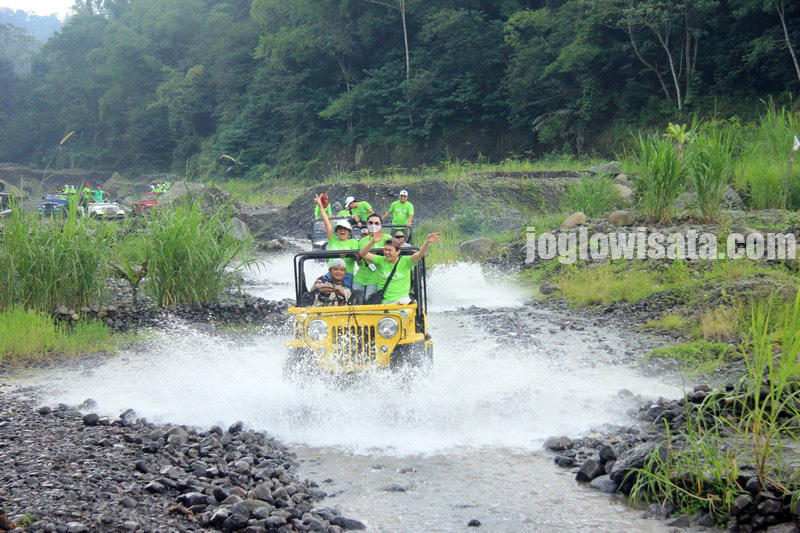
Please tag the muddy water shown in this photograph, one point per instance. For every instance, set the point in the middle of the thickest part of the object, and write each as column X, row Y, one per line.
column 461, row 442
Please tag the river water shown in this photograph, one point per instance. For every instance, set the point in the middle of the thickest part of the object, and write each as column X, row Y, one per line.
column 460, row 442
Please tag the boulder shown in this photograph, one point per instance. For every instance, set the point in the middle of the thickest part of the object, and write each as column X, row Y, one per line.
column 558, row 444
column 732, row 199
column 575, row 219
column 479, row 247
column 622, row 179
column 590, row 469
column 625, row 193
column 612, row 168
column 238, row 229
column 623, row 218
column 635, row 458
column 179, row 190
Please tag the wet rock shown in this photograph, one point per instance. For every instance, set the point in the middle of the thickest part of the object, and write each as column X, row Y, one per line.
column 635, row 458
column 128, row 502
column 44, row 410
column 235, row 522
column 236, row 428
column 769, row 507
column 706, row 520
column 91, row 419
column 348, row 524
column 474, row 523
column 477, row 248
column 741, row 503
column 141, row 466
column 589, row 470
column 558, row 444
column 607, row 454
column 76, row 527
column 565, row 462
column 394, row 487
column 604, row 484
column 681, row 522
column 154, row 487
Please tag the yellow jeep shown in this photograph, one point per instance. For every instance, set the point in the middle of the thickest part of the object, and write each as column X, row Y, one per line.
column 358, row 337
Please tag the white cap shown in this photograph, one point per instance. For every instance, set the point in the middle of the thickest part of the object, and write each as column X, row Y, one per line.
column 349, row 201
column 345, row 224
column 404, row 192
column 337, row 262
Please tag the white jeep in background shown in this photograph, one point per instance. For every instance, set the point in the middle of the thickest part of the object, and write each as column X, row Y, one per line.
column 107, row 210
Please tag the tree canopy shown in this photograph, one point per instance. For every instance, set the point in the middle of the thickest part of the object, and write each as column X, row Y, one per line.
column 287, row 88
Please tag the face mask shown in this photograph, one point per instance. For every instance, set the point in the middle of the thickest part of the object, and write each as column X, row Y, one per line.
column 373, row 227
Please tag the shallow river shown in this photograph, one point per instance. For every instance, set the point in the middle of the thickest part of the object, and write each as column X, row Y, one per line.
column 463, row 441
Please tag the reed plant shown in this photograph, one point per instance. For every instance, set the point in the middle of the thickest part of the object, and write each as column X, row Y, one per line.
column 660, row 175
column 594, row 196
column 47, row 263
column 711, row 169
column 188, row 253
column 698, row 466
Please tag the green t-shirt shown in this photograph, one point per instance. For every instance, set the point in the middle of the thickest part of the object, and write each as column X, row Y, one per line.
column 317, row 214
column 98, row 195
column 362, row 211
column 400, row 212
column 343, row 213
column 350, row 244
column 365, row 275
column 400, row 287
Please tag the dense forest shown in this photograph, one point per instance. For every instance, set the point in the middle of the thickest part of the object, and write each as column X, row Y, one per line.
column 275, row 87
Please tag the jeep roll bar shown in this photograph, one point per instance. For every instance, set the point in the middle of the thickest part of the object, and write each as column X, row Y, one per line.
column 419, row 282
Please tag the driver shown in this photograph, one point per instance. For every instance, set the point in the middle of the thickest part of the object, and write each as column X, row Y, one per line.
column 333, row 291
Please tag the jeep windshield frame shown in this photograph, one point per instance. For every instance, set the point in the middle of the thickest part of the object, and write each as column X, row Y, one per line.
column 419, row 280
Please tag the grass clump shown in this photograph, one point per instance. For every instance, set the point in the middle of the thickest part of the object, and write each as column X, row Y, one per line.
column 26, row 334
column 735, row 435
column 603, row 284
column 700, row 355
column 711, row 169
column 594, row 196
column 188, row 253
column 669, row 322
column 660, row 175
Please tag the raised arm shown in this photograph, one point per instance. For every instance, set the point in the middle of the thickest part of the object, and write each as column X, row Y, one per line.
column 365, row 251
column 432, row 237
column 328, row 228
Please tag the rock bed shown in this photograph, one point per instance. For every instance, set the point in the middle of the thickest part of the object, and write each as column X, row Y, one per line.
column 250, row 310
column 605, row 458
column 66, row 471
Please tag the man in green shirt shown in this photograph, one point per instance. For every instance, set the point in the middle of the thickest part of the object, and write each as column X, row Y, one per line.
column 98, row 194
column 341, row 239
column 398, row 290
column 358, row 210
column 366, row 279
column 402, row 211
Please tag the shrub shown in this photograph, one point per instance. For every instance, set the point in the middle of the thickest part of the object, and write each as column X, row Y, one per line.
column 660, row 175
column 710, row 168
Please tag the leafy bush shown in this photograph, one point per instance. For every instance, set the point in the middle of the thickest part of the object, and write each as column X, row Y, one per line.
column 594, row 196
column 660, row 175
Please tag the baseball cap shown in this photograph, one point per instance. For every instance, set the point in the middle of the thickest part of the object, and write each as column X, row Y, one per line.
column 337, row 262
column 344, row 223
column 404, row 193
column 399, row 233
column 349, row 201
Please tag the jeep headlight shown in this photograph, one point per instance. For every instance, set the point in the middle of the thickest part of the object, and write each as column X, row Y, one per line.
column 387, row 328
column 317, row 330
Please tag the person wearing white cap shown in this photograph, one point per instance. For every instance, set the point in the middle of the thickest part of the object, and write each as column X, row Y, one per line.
column 358, row 210
column 341, row 239
column 401, row 210
column 330, row 290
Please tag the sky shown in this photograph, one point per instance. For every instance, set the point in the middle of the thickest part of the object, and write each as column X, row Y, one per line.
column 40, row 7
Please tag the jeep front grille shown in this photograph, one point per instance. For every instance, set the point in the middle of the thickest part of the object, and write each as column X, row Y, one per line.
column 354, row 346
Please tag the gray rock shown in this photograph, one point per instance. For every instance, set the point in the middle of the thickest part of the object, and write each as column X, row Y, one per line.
column 477, row 248
column 394, row 487
column 549, row 288
column 769, row 507
column 219, row 516
column 575, row 219
column 786, row 527
column 604, row 484
column 236, row 428
column 235, row 522
column 91, row 419
column 474, row 523
column 741, row 503
column 623, row 218
column 622, row 179
column 654, row 511
column 707, row 520
column 252, row 505
column 193, row 498
column 612, row 168
column 732, row 199
column 565, row 462
column 44, row 410
column 589, row 470
column 238, row 229
column 681, row 522
column 625, row 193
column 154, row 487
column 348, row 524
column 76, row 527
column 558, row 444
column 128, row 502
column 141, row 466
column 607, row 454
column 635, row 458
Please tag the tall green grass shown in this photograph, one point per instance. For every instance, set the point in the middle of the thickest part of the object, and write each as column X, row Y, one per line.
column 188, row 253
column 594, row 196
column 26, row 334
column 711, row 169
column 47, row 263
column 699, row 469
column 660, row 175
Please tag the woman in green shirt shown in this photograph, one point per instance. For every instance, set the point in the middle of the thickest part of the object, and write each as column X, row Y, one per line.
column 399, row 288
column 340, row 240
column 367, row 277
